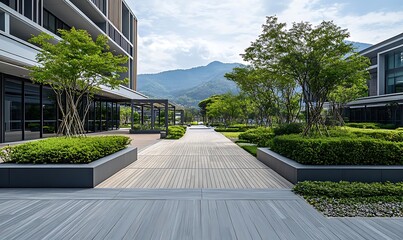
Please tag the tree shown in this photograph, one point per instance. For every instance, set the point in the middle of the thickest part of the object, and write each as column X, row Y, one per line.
column 313, row 57
column 344, row 94
column 75, row 68
column 275, row 97
column 126, row 115
column 204, row 104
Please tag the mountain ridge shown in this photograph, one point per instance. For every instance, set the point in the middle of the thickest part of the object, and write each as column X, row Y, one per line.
column 189, row 86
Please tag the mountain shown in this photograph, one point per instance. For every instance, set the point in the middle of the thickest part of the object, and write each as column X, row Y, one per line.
column 360, row 46
column 188, row 86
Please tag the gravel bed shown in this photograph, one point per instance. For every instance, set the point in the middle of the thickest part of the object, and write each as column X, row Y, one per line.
column 331, row 207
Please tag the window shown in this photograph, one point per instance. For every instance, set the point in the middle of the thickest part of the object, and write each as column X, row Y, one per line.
column 11, row 3
column 32, row 111
column 13, row 110
column 394, row 72
column 52, row 23
column 49, row 107
column 28, row 9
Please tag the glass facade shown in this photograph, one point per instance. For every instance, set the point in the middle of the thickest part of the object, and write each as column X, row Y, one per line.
column 53, row 23
column 13, row 110
column 394, row 72
column 30, row 111
column 385, row 115
column 101, row 5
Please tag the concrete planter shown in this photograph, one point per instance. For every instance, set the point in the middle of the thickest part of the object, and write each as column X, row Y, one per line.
column 65, row 175
column 296, row 172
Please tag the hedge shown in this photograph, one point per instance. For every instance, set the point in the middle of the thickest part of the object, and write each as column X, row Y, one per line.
column 370, row 125
column 290, row 128
column 388, row 135
column 348, row 189
column 339, row 150
column 260, row 136
column 236, row 128
column 64, row 150
column 176, row 132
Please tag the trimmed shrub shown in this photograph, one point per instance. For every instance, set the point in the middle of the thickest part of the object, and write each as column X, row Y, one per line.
column 291, row 128
column 370, row 125
column 176, row 132
column 230, row 129
column 348, row 189
column 64, row 150
column 260, row 136
column 339, row 150
column 388, row 135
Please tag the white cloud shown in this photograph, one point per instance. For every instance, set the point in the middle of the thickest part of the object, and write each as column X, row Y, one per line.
column 182, row 33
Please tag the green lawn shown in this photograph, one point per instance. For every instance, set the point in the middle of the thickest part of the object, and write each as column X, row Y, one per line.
column 252, row 149
column 231, row 135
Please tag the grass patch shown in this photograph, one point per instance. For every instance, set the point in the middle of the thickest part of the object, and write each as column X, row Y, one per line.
column 231, row 135
column 61, row 150
column 252, row 149
column 345, row 199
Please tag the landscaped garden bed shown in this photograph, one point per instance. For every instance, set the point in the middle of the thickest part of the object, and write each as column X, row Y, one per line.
column 345, row 199
column 79, row 162
column 176, row 132
column 350, row 154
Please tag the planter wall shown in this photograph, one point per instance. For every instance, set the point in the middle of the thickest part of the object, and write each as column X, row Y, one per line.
column 296, row 172
column 65, row 175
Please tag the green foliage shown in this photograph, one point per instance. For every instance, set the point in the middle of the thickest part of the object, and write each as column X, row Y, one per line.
column 388, row 135
column 75, row 68
column 229, row 129
column 250, row 149
column 231, row 135
column 291, row 128
column 126, row 114
column 312, row 57
column 369, row 125
column 64, row 150
column 348, row 189
column 176, row 132
column 260, row 136
column 339, row 150
column 235, row 128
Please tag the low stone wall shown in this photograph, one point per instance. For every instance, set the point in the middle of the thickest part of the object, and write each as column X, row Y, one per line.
column 296, row 172
column 65, row 175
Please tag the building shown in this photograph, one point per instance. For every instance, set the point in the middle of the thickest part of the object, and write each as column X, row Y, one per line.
column 29, row 111
column 385, row 101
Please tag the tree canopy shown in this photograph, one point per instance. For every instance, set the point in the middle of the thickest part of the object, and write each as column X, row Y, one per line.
column 314, row 60
column 75, row 68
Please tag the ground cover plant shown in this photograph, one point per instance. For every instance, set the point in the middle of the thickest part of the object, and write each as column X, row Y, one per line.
column 64, row 150
column 176, row 132
column 345, row 199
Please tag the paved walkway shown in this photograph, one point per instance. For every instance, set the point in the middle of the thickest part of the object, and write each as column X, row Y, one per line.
column 256, row 206
column 203, row 158
column 176, row 214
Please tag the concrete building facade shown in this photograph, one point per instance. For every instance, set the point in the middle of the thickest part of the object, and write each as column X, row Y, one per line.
column 29, row 111
column 384, row 103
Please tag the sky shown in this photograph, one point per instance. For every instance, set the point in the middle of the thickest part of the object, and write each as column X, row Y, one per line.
column 181, row 34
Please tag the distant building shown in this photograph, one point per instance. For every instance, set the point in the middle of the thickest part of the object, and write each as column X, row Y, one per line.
column 384, row 104
column 29, row 111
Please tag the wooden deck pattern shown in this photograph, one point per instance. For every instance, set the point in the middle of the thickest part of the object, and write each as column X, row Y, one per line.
column 176, row 214
column 201, row 159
